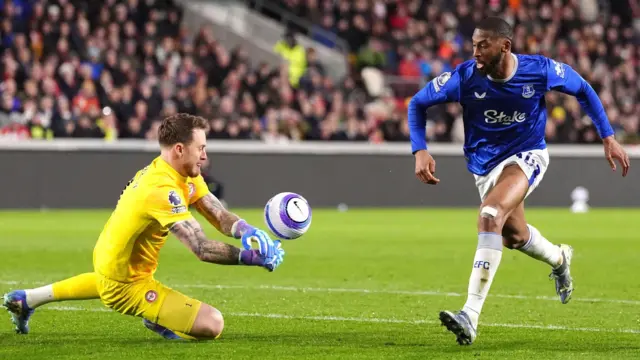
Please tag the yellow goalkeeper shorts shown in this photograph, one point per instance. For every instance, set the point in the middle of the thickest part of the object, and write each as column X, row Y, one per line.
column 150, row 299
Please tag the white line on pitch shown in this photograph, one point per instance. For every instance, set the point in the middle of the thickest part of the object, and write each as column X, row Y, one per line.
column 379, row 320
column 367, row 291
column 396, row 292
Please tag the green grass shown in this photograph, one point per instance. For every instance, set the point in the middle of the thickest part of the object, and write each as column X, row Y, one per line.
column 406, row 266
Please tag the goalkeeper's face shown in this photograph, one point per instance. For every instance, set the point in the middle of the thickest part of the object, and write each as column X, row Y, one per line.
column 194, row 155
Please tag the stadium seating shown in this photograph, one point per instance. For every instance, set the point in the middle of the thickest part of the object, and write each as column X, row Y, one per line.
column 113, row 70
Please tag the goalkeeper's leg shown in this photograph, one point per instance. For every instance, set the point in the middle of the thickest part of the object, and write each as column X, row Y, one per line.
column 22, row 303
column 207, row 325
column 174, row 315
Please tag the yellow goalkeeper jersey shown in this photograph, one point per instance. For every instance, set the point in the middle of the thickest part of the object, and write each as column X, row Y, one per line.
column 156, row 197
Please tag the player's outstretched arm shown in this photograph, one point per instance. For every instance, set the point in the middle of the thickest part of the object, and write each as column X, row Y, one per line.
column 212, row 209
column 443, row 89
column 190, row 233
column 563, row 78
column 232, row 225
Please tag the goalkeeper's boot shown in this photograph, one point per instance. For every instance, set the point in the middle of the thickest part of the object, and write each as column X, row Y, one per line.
column 161, row 330
column 459, row 324
column 16, row 303
column 562, row 275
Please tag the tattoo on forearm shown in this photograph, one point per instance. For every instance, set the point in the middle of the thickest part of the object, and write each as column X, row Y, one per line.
column 191, row 234
column 213, row 210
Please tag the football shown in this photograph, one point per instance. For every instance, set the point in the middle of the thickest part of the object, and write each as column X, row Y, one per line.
column 287, row 215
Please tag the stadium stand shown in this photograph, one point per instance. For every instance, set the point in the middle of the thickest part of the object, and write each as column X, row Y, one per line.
column 112, row 69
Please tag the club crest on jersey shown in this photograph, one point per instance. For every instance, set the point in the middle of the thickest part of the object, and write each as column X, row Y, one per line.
column 192, row 189
column 528, row 91
column 151, row 296
column 441, row 80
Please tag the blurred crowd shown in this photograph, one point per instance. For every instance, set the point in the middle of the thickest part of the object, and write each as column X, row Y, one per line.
column 413, row 41
column 113, row 69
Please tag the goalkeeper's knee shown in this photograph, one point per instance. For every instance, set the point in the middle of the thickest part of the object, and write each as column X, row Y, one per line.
column 209, row 323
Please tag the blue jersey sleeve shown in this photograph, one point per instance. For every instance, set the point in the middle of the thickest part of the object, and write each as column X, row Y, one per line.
column 443, row 89
column 561, row 77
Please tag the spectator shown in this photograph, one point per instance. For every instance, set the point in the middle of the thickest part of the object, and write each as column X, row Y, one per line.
column 371, row 56
column 294, row 54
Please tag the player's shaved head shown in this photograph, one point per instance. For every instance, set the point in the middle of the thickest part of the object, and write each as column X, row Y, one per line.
column 179, row 128
column 497, row 26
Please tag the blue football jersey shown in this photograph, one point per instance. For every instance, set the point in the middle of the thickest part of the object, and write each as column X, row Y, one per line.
column 503, row 117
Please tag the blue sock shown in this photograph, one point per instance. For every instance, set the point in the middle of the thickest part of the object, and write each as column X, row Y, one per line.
column 161, row 330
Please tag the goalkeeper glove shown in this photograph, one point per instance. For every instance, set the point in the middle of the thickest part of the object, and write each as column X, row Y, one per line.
column 253, row 257
column 249, row 234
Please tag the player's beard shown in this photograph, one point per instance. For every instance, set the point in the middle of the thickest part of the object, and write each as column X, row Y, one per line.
column 191, row 169
column 194, row 171
column 490, row 67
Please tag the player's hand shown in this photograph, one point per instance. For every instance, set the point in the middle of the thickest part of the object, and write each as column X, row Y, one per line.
column 614, row 151
column 426, row 167
column 266, row 246
column 272, row 263
column 253, row 258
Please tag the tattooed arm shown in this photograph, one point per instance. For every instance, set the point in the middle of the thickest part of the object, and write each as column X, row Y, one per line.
column 222, row 219
column 190, row 233
column 231, row 225
column 217, row 252
column 212, row 209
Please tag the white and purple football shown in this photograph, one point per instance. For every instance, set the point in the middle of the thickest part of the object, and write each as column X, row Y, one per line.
column 287, row 215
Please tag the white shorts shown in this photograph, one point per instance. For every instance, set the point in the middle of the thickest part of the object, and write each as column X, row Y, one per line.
column 534, row 163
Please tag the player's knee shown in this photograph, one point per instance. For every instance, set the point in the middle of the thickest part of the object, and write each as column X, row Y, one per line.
column 491, row 218
column 209, row 323
column 214, row 325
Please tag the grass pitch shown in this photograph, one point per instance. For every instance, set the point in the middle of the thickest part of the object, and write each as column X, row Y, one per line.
column 362, row 284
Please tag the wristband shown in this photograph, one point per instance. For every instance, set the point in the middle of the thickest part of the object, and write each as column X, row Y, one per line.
column 240, row 227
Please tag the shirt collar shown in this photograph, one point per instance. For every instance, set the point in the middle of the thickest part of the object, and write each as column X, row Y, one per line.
column 163, row 165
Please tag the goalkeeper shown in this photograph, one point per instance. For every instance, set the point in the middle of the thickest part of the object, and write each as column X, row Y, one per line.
column 155, row 202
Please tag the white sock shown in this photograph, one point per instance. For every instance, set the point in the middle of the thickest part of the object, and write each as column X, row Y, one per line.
column 542, row 249
column 39, row 296
column 485, row 265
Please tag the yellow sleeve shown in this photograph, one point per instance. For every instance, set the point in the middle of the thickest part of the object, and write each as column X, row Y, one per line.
column 278, row 47
column 166, row 204
column 200, row 189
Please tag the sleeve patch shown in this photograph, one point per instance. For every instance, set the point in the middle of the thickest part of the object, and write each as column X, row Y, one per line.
column 559, row 67
column 441, row 80
column 176, row 202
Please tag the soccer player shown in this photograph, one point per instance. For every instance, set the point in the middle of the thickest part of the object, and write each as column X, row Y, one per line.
column 502, row 95
column 155, row 202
